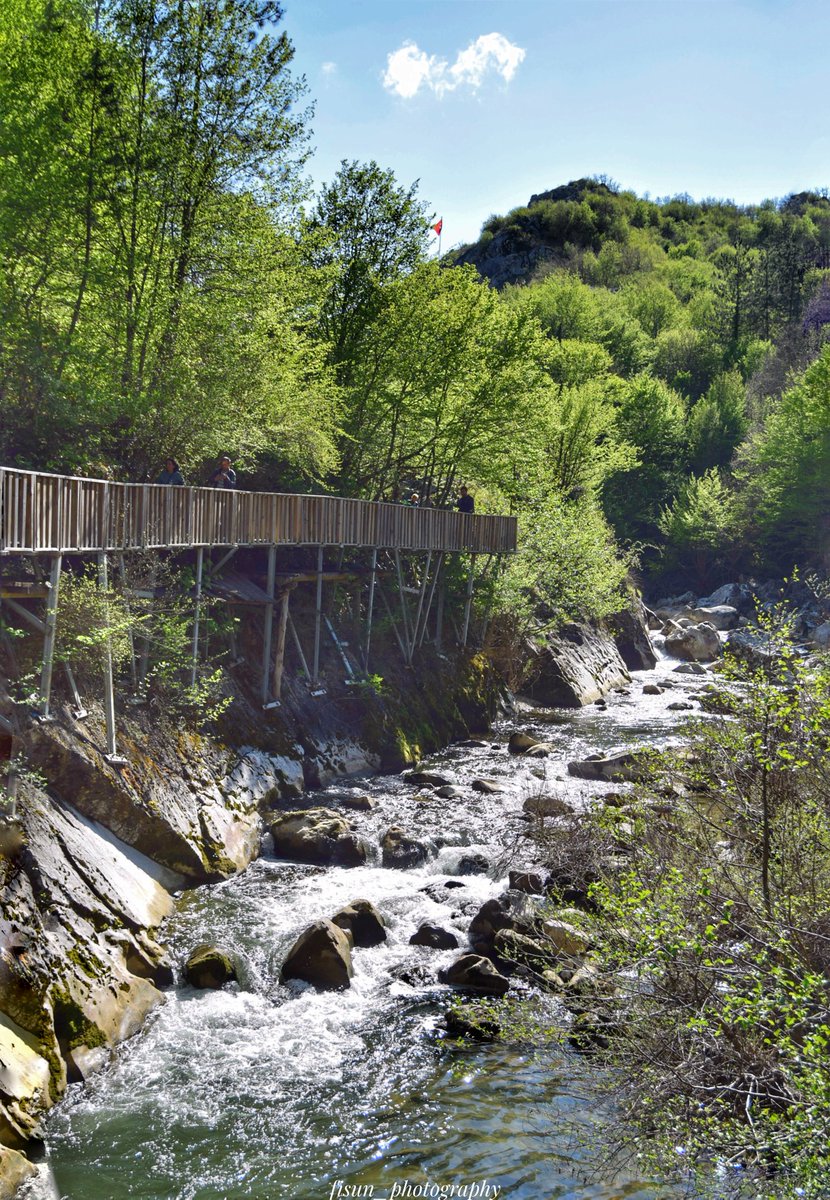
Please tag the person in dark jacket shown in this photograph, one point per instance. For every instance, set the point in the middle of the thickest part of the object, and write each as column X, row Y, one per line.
column 465, row 503
column 171, row 473
column 224, row 476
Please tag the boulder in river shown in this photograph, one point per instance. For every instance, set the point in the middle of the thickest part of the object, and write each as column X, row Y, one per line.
column 519, row 949
column 472, row 864
column 628, row 767
column 471, row 1021
column 433, row 936
column 209, row 967
column 473, row 973
column 565, row 937
column 362, row 920
column 520, row 742
column 691, row 668
column 511, row 910
column 722, row 616
column 321, row 955
column 528, row 882
column 695, row 643
column 426, row 779
column 402, row 851
column 318, row 835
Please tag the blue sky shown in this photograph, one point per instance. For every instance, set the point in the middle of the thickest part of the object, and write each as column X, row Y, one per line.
column 488, row 101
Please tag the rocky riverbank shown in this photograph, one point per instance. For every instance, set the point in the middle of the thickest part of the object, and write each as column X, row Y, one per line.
column 96, row 849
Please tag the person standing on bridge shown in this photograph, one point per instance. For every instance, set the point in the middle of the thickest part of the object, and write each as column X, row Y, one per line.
column 171, row 474
column 465, row 502
column 224, row 476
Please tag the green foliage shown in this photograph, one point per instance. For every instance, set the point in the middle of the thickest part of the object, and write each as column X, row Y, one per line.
column 700, row 527
column 568, row 567
column 716, row 934
column 787, row 469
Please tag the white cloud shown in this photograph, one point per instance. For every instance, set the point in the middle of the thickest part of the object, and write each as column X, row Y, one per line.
column 409, row 68
column 329, row 68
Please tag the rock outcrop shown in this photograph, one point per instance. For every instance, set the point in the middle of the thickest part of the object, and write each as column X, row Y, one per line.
column 574, row 667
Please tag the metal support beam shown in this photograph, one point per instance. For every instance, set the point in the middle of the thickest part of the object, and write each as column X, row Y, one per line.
column 125, row 592
column 439, row 614
column 214, row 570
column 298, row 646
column 268, row 622
column 80, row 712
column 318, row 613
column 197, row 614
column 370, row 610
column 421, row 594
column 438, row 569
column 404, row 610
column 340, row 648
column 109, row 689
column 469, row 601
column 49, row 635
column 391, row 616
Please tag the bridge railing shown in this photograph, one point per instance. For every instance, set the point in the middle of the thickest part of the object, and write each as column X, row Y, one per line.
column 42, row 513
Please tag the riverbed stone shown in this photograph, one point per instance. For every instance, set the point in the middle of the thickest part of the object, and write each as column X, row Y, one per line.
column 474, row 973
column 652, row 689
column 318, row 835
column 477, row 1024
column 628, row 767
column 209, row 967
column 546, row 806
column 519, row 948
column 520, row 743
column 359, row 802
column 399, row 849
column 433, row 936
column 472, row 864
column 529, row 882
column 565, row 937
column 426, row 779
column 721, row 616
column 321, row 956
column 449, row 792
column 487, row 787
column 363, row 921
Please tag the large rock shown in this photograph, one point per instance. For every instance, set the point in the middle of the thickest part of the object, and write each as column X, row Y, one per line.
column 433, row 936
column 629, row 629
column 473, row 973
column 722, row 616
column 321, row 955
column 209, row 967
column 511, row 910
column 695, row 643
column 78, row 964
column 362, row 920
column 318, row 835
column 575, row 667
column 15, row 1170
column 402, row 851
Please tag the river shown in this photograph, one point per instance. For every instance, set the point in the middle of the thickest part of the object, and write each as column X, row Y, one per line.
column 266, row 1091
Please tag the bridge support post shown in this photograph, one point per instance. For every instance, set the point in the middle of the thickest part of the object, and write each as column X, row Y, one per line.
column 420, row 608
column 439, row 614
column 404, row 610
column 197, row 613
column 298, row 646
column 468, row 603
column 370, row 610
column 268, row 622
column 109, row 688
column 50, row 630
column 280, row 658
column 318, row 614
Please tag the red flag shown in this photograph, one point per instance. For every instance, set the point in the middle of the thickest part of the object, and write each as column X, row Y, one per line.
column 439, row 227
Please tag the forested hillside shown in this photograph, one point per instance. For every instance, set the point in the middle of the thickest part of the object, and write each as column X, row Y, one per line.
column 647, row 382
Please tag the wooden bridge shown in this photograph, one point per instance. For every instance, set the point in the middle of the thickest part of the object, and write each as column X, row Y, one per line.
column 46, row 516
column 61, row 514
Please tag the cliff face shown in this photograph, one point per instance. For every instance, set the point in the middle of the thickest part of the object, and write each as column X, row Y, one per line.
column 88, row 864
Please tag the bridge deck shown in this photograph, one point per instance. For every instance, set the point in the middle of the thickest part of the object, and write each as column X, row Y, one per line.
column 54, row 514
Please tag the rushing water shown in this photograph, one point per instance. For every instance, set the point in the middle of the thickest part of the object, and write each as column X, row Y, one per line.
column 266, row 1091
